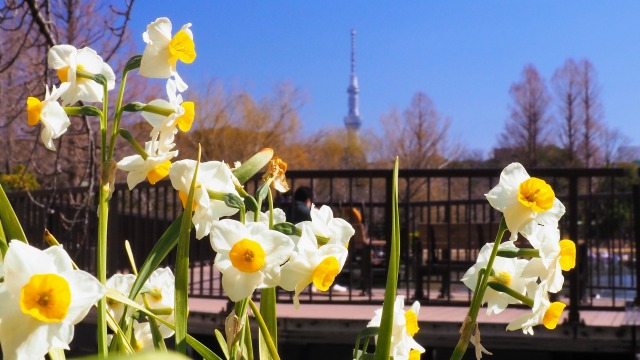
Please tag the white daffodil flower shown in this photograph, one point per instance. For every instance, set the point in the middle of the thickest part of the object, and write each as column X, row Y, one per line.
column 212, row 176
column 54, row 120
column 165, row 127
column 163, row 51
column 143, row 337
column 67, row 60
column 160, row 294
column 525, row 201
column 248, row 256
column 279, row 216
column 555, row 256
column 41, row 300
column 543, row 311
column 405, row 326
column 154, row 168
column 121, row 283
column 507, row 271
column 338, row 231
column 310, row 264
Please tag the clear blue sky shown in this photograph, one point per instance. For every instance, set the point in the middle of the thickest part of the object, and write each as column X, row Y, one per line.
column 464, row 54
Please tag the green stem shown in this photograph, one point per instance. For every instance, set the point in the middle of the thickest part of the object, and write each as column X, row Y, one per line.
column 101, row 271
column 509, row 291
column 478, row 295
column 118, row 116
column 265, row 331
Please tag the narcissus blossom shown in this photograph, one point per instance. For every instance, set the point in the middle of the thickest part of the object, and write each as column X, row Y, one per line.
column 163, row 50
column 165, row 126
column 525, row 201
column 276, row 171
column 54, row 120
column 154, row 167
column 310, row 264
column 336, row 230
column 279, row 216
column 507, row 271
column 212, row 176
column 121, row 283
column 405, row 326
column 248, row 256
column 555, row 256
column 67, row 60
column 543, row 312
column 41, row 300
column 160, row 294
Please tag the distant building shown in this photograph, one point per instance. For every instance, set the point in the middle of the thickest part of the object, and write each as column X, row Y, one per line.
column 353, row 120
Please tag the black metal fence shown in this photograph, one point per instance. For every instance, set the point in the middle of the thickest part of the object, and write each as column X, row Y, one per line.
column 603, row 218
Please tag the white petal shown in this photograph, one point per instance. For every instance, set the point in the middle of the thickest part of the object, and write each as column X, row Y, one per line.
column 85, row 291
column 239, row 285
column 23, row 261
column 60, row 56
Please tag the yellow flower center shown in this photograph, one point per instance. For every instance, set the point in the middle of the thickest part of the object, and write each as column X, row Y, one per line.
column 552, row 315
column 46, row 297
column 414, row 354
column 182, row 48
column 502, row 277
column 325, row 273
column 247, row 256
column 567, row 255
column 34, row 109
column 186, row 120
column 184, row 196
column 536, row 194
column 411, row 320
column 63, row 73
column 159, row 172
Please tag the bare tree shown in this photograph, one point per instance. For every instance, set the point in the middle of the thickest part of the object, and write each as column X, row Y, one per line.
column 610, row 142
column 529, row 122
column 566, row 86
column 592, row 113
column 419, row 135
column 228, row 120
column 28, row 29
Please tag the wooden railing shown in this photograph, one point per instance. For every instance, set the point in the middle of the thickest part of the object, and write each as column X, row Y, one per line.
column 603, row 216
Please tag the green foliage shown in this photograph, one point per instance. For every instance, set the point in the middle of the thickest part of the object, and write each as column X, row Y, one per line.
column 19, row 179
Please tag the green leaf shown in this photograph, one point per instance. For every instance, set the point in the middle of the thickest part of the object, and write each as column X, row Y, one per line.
column 287, row 228
column 182, row 267
column 233, row 201
column 268, row 312
column 56, row 354
column 160, row 250
column 194, row 343
column 132, row 63
column 383, row 345
column 222, row 342
column 253, row 165
column 86, row 110
column 133, row 107
column 143, row 355
column 100, row 79
column 10, row 223
column 251, row 204
column 365, row 333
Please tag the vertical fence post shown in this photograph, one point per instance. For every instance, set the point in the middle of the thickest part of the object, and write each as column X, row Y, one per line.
column 636, row 235
column 574, row 289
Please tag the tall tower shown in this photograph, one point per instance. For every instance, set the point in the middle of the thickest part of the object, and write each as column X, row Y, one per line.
column 353, row 121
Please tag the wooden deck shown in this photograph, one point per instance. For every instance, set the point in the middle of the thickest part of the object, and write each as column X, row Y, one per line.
column 604, row 332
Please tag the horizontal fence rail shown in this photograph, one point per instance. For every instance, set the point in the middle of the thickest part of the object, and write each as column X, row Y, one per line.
column 444, row 217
